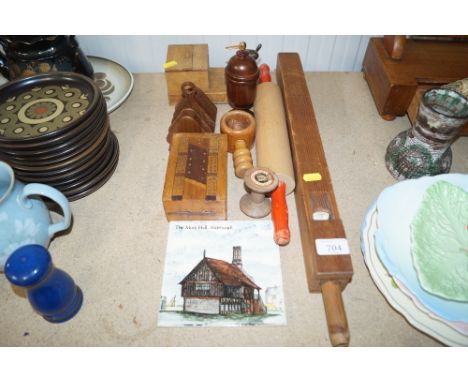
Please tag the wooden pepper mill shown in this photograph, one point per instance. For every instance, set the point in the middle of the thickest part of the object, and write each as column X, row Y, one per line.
column 260, row 181
column 242, row 45
column 239, row 126
column 241, row 76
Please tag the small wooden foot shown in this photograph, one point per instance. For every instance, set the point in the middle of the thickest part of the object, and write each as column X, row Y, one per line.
column 388, row 117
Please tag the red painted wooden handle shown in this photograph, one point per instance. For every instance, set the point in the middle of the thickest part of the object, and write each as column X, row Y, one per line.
column 264, row 73
column 279, row 213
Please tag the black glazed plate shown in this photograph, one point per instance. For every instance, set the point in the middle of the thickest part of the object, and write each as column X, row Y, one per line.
column 99, row 180
column 41, row 107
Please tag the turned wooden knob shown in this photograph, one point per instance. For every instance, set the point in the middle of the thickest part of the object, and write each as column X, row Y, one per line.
column 239, row 126
column 187, row 88
column 259, row 181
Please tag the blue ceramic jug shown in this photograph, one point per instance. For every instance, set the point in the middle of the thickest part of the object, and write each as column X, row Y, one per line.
column 24, row 217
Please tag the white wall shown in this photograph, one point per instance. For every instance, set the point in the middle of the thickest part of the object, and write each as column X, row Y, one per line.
column 148, row 53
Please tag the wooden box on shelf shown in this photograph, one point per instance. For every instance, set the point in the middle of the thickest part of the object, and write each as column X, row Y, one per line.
column 191, row 63
column 396, row 68
column 195, row 185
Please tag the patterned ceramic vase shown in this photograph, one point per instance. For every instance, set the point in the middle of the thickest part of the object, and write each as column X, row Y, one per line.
column 24, row 217
column 25, row 56
column 460, row 86
column 425, row 148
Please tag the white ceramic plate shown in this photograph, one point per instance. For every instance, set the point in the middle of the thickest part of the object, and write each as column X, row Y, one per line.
column 397, row 206
column 436, row 328
column 459, row 326
column 115, row 82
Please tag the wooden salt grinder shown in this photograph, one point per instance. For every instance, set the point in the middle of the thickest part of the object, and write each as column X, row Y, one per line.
column 239, row 126
column 260, row 181
column 241, row 76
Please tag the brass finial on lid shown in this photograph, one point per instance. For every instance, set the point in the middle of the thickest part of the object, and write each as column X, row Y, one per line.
column 241, row 46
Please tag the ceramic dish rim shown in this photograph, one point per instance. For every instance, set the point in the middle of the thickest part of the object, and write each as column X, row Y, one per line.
column 55, row 78
column 132, row 81
column 392, row 300
column 398, row 271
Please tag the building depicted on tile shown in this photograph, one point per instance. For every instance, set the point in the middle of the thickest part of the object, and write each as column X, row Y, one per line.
column 217, row 287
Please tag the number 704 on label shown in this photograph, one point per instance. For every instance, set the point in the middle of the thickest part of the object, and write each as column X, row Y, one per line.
column 335, row 246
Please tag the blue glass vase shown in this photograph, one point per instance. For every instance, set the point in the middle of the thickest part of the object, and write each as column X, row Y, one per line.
column 52, row 292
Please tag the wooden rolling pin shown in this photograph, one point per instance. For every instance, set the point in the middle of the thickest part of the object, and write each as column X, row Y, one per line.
column 272, row 141
column 273, row 151
column 326, row 252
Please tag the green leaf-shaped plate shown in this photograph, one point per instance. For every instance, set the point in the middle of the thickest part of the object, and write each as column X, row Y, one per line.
column 439, row 241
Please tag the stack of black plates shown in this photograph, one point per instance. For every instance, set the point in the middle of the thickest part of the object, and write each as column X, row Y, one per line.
column 54, row 129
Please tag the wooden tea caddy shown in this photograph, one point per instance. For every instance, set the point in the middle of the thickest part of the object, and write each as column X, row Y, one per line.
column 195, row 184
column 192, row 65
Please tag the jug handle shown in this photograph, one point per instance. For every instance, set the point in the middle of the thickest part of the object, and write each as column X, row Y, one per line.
column 4, row 71
column 57, row 197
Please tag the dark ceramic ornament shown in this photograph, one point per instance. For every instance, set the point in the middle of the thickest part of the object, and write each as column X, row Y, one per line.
column 25, row 56
column 425, row 148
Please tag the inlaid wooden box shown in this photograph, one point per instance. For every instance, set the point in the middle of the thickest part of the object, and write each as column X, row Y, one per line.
column 195, row 184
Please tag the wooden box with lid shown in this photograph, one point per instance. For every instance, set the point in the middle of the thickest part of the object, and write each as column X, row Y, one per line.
column 190, row 63
column 195, row 184
column 399, row 70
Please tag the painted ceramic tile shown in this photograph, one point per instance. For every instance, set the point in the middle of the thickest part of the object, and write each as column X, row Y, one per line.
column 222, row 274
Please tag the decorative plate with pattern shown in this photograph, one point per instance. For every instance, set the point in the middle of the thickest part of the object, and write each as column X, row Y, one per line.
column 45, row 105
column 114, row 80
column 397, row 206
column 445, row 331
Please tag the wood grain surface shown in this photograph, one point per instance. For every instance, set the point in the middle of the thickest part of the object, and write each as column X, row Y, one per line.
column 315, row 199
column 195, row 184
column 393, row 82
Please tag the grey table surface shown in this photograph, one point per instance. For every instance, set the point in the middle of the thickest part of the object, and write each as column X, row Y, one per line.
column 116, row 248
